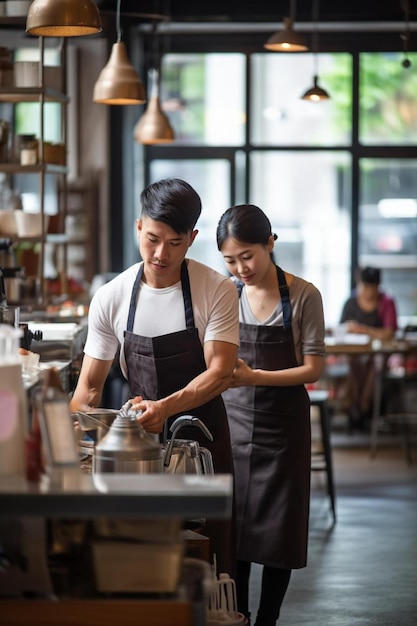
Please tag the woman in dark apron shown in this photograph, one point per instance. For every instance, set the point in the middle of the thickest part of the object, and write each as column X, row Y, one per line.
column 268, row 407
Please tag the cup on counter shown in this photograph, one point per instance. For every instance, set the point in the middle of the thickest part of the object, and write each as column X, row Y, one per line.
column 10, row 315
column 339, row 332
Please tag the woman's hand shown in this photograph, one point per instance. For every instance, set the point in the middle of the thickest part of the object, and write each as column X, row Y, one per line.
column 242, row 374
column 356, row 328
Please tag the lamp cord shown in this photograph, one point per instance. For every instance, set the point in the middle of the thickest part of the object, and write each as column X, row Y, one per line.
column 315, row 38
column 292, row 10
column 406, row 63
column 118, row 29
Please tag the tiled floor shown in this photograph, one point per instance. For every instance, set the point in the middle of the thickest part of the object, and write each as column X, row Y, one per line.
column 363, row 570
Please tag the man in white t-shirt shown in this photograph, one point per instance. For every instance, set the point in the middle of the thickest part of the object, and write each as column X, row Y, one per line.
column 176, row 322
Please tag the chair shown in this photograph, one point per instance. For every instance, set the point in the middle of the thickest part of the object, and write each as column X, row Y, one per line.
column 399, row 416
column 321, row 460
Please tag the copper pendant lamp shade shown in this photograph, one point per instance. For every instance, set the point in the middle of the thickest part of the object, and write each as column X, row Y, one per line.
column 118, row 82
column 63, row 18
column 286, row 40
column 316, row 93
column 153, row 126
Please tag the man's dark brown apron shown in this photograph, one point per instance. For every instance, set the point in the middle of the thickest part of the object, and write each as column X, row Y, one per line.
column 271, row 442
column 159, row 366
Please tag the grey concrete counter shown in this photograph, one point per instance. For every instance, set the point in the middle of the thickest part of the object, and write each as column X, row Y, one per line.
column 81, row 495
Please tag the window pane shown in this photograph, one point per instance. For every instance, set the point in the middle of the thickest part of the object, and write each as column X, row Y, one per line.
column 210, row 178
column 307, row 198
column 388, row 226
column 204, row 97
column 280, row 117
column 388, row 110
column 28, row 120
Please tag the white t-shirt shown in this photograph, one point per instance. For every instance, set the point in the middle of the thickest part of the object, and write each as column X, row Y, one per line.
column 161, row 311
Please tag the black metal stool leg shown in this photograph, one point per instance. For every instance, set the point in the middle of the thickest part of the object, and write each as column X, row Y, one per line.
column 319, row 398
column 325, row 429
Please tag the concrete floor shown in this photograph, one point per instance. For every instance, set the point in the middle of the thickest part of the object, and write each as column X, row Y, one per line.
column 362, row 570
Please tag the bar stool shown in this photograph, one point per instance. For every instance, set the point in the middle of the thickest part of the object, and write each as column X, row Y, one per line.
column 321, row 460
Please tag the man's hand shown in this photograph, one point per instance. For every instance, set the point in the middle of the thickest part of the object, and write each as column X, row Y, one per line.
column 153, row 416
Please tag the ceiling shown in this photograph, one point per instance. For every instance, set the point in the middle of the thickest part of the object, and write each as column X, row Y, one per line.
column 266, row 11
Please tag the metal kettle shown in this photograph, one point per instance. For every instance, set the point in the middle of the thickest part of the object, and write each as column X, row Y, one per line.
column 127, row 449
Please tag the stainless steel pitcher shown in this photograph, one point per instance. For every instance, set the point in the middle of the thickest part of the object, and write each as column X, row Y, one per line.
column 126, row 448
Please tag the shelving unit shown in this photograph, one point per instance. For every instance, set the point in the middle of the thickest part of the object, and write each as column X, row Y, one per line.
column 81, row 228
column 43, row 95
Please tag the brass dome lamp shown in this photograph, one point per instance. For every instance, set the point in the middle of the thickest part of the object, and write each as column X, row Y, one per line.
column 63, row 18
column 287, row 40
column 118, row 81
column 153, row 126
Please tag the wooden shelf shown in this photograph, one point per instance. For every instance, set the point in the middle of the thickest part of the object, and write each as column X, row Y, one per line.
column 15, row 95
column 47, row 168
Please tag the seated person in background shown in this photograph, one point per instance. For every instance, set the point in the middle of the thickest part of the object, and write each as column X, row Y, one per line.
column 372, row 312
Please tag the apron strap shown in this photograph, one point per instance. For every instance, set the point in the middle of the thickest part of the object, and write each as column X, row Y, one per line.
column 186, row 294
column 132, row 305
column 285, row 298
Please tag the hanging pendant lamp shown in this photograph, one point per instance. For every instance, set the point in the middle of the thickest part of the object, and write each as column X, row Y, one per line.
column 315, row 93
column 153, row 126
column 118, row 82
column 63, row 18
column 287, row 40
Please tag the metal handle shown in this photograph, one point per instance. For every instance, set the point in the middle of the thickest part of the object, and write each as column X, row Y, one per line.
column 180, row 422
column 93, row 420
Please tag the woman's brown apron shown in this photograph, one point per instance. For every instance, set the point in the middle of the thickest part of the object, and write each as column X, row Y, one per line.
column 159, row 366
column 271, row 442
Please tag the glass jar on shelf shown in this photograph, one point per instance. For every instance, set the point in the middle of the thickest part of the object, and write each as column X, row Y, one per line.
column 29, row 147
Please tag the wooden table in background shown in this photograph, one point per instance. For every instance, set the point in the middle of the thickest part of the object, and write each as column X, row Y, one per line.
column 382, row 351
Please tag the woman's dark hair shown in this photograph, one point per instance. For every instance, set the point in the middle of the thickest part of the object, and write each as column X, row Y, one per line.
column 172, row 201
column 370, row 275
column 246, row 223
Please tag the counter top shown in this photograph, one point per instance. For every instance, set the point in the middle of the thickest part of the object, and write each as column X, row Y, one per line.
column 76, row 494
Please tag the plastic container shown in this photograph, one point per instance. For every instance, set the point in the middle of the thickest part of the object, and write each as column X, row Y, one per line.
column 13, row 404
column 30, row 224
column 137, row 567
column 8, row 226
column 26, row 73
